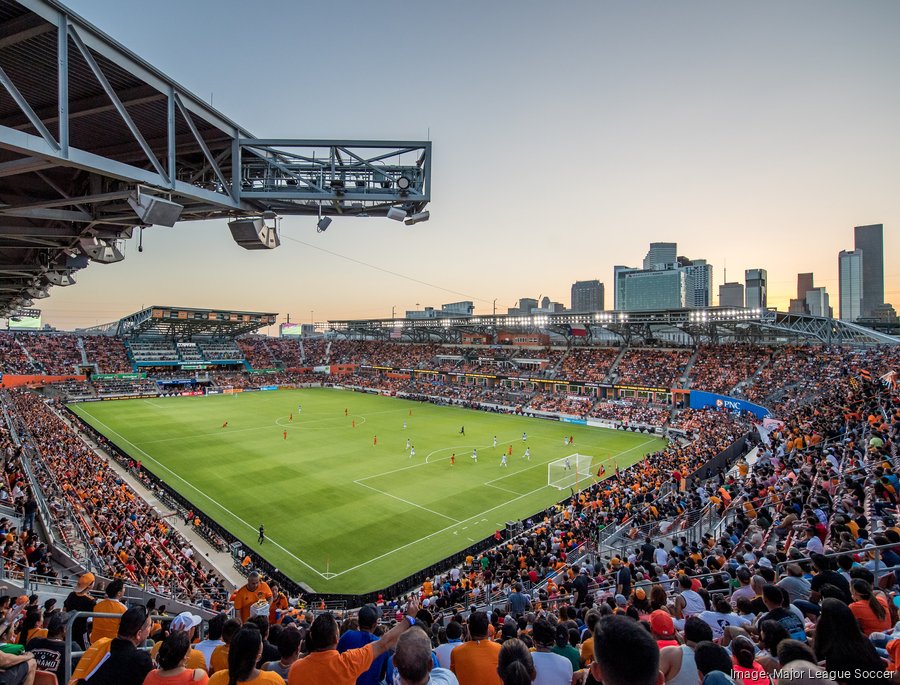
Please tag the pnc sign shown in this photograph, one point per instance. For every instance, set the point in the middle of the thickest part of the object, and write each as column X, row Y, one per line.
column 701, row 400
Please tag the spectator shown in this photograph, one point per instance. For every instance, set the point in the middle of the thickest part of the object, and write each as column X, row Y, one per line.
column 713, row 664
column 413, row 661
column 624, row 653
column 218, row 660
column 289, row 642
column 475, row 661
column 839, row 642
column 454, row 640
column 515, row 665
column 49, row 652
column 172, row 660
column 551, row 669
column 355, row 639
column 80, row 600
column 246, row 648
column 213, row 637
column 324, row 664
column 126, row 664
column 112, row 604
column 254, row 591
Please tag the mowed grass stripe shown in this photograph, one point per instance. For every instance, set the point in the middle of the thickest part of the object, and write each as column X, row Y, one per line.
column 332, row 501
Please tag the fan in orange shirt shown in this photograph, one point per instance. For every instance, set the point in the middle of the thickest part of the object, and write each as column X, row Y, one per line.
column 245, row 597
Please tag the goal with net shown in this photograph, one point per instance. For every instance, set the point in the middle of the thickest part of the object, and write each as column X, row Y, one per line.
column 569, row 471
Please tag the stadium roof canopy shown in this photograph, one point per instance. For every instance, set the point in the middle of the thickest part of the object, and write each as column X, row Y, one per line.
column 186, row 323
column 717, row 324
column 94, row 142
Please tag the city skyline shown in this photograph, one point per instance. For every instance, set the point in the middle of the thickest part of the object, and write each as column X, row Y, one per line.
column 746, row 147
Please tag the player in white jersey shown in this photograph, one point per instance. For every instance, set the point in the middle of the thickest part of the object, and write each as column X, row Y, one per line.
column 299, row 408
column 524, row 437
column 412, row 452
column 566, row 440
column 404, row 425
column 407, row 443
column 475, row 455
column 568, row 464
column 528, row 453
column 495, row 441
column 503, row 461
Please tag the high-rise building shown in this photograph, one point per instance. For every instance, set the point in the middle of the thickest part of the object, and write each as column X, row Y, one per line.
column 850, row 284
column 700, row 284
column 661, row 256
column 731, row 295
column 618, row 269
column 587, row 296
column 644, row 290
column 757, row 287
column 804, row 285
column 870, row 240
column 817, row 302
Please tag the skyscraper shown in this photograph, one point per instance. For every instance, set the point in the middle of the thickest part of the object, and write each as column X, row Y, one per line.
column 817, row 302
column 850, row 284
column 731, row 295
column 870, row 240
column 700, row 281
column 660, row 255
column 804, row 285
column 588, row 296
column 757, row 286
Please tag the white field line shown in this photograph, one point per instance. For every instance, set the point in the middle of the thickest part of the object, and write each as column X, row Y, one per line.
column 406, row 501
column 207, row 497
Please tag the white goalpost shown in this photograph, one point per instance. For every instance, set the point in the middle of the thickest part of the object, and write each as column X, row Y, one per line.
column 569, row 471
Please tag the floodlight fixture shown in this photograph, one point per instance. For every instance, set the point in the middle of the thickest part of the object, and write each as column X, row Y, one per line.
column 323, row 224
column 417, row 218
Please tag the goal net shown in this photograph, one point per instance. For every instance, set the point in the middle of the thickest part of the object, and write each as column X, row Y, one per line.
column 569, row 471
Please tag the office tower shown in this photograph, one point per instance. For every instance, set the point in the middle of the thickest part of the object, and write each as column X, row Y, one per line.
column 731, row 295
column 700, row 284
column 757, row 287
column 850, row 284
column 587, row 296
column 804, row 285
column 817, row 302
column 870, row 240
column 643, row 290
column 661, row 255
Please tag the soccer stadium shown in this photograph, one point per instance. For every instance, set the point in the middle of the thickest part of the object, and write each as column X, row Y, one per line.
column 657, row 491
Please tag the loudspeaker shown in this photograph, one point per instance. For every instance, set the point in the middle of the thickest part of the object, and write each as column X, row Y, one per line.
column 101, row 251
column 253, row 234
column 60, row 278
column 396, row 214
column 155, row 210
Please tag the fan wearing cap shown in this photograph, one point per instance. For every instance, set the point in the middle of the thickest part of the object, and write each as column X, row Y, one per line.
column 663, row 628
column 354, row 639
column 185, row 622
column 80, row 600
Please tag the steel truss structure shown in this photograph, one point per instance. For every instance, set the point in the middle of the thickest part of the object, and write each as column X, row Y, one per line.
column 713, row 325
column 86, row 125
column 187, row 323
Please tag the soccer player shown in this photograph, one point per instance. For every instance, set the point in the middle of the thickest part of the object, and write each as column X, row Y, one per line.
column 404, row 425
column 527, row 454
column 345, row 411
column 475, row 455
column 571, row 439
column 374, row 440
column 410, row 412
column 285, row 435
column 568, row 465
column 503, row 461
column 225, row 425
column 452, row 459
column 495, row 441
column 262, row 534
column 291, row 418
column 509, row 451
column 524, row 436
column 407, row 443
column 299, row 408
column 462, row 430
column 601, row 471
column 412, row 452
column 565, row 440
column 354, row 423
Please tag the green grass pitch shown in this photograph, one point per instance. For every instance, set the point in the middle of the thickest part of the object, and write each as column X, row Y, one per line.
column 341, row 513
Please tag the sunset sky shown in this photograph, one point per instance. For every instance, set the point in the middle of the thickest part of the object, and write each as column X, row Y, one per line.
column 567, row 136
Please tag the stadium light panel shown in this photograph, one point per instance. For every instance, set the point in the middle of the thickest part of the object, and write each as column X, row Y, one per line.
column 396, row 214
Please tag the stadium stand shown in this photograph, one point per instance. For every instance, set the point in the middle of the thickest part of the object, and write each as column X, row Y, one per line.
column 108, row 353
column 742, row 544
